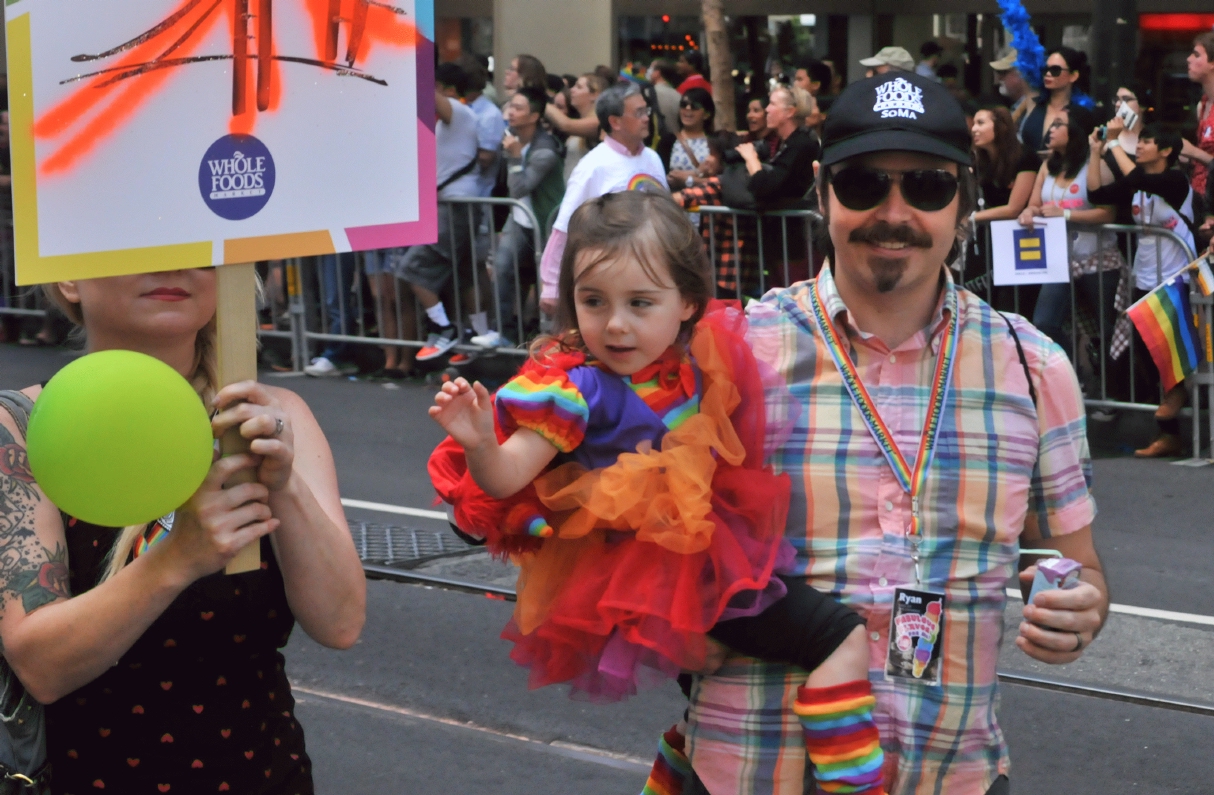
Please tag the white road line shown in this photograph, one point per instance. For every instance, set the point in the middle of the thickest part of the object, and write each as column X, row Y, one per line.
column 383, row 507
column 1144, row 612
column 569, row 750
column 1129, row 610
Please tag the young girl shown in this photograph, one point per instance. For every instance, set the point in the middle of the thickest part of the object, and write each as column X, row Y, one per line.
column 623, row 468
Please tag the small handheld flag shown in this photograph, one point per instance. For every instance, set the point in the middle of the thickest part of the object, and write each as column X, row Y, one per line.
column 1204, row 276
column 1165, row 320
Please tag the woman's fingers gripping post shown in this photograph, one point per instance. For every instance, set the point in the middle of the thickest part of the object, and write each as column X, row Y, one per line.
column 265, row 422
column 218, row 522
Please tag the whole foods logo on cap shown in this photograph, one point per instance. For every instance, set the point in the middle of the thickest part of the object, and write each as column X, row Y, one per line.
column 899, row 99
column 236, row 177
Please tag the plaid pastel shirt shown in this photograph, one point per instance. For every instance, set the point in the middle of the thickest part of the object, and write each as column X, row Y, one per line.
column 998, row 457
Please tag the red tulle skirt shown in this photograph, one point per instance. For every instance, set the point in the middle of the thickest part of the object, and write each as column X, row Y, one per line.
column 649, row 553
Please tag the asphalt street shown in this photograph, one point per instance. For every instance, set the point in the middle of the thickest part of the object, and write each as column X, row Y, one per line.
column 429, row 699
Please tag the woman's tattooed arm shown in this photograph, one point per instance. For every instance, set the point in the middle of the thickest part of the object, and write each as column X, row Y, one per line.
column 28, row 570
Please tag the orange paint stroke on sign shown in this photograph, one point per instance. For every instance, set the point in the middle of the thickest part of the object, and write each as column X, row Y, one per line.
column 110, row 96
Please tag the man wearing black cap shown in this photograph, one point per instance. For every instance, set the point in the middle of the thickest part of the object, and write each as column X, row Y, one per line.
column 935, row 437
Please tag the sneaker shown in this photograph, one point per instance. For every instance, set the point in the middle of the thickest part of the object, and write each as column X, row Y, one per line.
column 491, row 339
column 437, row 344
column 323, row 368
column 1103, row 415
column 460, row 359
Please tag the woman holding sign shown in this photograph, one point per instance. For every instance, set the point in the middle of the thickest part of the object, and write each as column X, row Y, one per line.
column 1061, row 191
column 161, row 672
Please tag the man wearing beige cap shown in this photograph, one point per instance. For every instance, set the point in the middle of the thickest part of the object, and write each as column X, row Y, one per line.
column 1012, row 85
column 888, row 58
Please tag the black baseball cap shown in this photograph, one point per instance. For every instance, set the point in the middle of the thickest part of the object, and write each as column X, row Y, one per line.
column 896, row 111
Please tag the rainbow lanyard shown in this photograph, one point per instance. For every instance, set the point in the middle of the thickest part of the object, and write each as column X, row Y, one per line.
column 911, row 480
column 154, row 534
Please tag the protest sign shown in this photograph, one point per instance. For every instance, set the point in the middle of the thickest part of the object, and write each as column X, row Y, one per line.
column 159, row 134
column 1030, row 255
column 154, row 135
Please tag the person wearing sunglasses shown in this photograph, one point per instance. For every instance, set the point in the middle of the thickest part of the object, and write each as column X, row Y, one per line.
column 684, row 152
column 881, row 351
column 1061, row 191
column 784, row 180
column 1066, row 72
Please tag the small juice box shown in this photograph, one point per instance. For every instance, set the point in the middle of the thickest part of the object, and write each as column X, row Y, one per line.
column 1055, row 573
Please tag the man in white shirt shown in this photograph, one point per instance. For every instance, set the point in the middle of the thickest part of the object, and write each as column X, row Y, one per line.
column 428, row 268
column 621, row 162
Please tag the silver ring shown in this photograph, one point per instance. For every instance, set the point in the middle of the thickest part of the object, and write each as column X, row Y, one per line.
column 278, row 426
column 1078, row 643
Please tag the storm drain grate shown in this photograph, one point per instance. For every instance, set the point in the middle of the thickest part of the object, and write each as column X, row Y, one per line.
column 390, row 545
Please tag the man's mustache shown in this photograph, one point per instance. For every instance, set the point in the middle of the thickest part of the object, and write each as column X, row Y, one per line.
column 884, row 232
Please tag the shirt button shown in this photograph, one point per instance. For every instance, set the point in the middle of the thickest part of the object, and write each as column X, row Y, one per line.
column 876, row 636
column 889, row 506
column 883, row 582
column 893, row 359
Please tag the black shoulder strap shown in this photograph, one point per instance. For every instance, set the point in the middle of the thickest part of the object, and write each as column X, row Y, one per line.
column 19, row 406
column 465, row 170
column 1020, row 352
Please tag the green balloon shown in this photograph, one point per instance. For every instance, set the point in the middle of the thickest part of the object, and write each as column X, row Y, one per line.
column 118, row 438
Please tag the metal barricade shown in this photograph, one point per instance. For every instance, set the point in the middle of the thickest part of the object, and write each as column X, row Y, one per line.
column 358, row 299
column 740, row 247
column 1109, row 383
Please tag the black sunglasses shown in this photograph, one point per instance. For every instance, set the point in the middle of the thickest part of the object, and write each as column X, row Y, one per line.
column 928, row 189
column 691, row 105
column 1056, row 71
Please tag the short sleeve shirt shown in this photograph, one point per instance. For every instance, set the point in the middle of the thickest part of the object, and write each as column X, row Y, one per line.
column 456, row 146
column 998, row 459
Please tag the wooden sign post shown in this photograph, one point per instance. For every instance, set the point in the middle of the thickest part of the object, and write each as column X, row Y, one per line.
column 236, row 326
column 141, row 142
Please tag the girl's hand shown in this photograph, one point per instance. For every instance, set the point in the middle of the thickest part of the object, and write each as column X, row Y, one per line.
column 466, row 412
column 261, row 418
column 679, row 177
column 747, row 151
column 1052, row 211
column 1026, row 217
column 677, row 196
column 217, row 523
column 1114, row 128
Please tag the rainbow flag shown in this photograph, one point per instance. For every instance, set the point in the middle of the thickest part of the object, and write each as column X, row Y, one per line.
column 1167, row 325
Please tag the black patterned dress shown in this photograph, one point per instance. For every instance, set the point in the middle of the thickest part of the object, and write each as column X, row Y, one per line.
column 199, row 704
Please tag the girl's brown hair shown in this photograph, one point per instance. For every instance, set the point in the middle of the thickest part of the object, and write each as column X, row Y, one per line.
column 204, row 377
column 648, row 227
column 1001, row 169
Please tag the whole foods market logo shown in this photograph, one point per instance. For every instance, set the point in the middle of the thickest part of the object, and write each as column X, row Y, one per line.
column 236, row 177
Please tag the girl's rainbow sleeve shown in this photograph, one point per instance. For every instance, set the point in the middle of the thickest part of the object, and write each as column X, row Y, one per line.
column 548, row 403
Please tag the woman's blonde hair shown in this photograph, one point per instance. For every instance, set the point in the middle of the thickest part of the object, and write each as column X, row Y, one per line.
column 801, row 101
column 204, row 377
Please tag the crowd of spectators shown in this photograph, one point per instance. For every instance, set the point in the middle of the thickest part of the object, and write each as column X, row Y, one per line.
column 554, row 141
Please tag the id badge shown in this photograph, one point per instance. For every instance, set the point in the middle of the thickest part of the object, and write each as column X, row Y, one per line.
column 915, row 634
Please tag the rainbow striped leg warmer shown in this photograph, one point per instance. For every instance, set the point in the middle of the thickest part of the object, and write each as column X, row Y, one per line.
column 671, row 768
column 842, row 738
